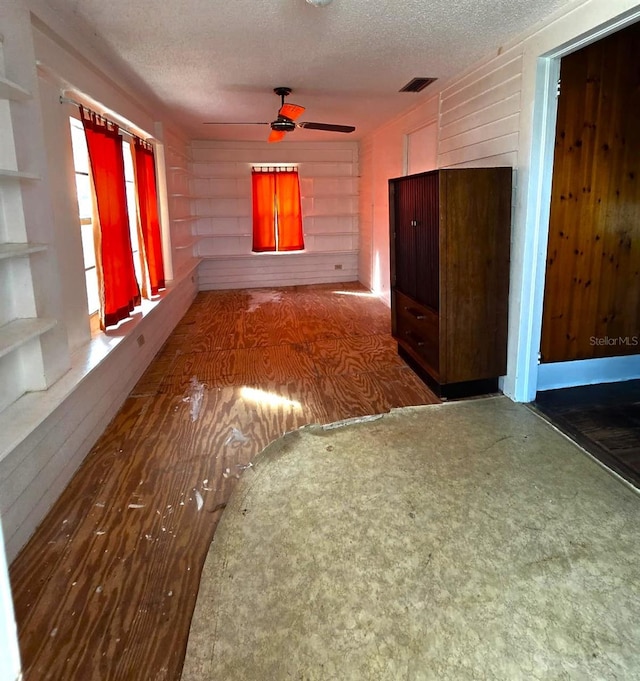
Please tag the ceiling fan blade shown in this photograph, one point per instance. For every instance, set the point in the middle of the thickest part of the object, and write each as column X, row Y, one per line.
column 234, row 123
column 291, row 111
column 329, row 127
column 276, row 136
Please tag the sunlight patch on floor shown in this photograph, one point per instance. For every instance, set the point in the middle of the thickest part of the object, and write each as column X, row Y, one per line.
column 359, row 294
column 267, row 398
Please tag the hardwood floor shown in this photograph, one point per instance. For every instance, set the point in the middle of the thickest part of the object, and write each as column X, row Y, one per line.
column 604, row 419
column 106, row 587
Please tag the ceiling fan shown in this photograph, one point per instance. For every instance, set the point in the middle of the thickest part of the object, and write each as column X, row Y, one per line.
column 286, row 120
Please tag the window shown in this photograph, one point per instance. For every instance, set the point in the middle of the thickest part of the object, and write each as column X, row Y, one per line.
column 277, row 213
column 85, row 206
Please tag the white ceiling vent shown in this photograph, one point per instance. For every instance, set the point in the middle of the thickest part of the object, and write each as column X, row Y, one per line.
column 417, row 84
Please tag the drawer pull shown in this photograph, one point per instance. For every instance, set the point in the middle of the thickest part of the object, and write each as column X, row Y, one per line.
column 414, row 339
column 416, row 313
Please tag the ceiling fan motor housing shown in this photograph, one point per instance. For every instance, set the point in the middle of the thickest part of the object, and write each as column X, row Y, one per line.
column 283, row 124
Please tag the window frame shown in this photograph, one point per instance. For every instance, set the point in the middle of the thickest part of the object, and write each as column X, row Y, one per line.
column 279, row 168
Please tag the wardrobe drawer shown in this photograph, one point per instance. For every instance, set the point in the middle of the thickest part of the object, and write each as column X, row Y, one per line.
column 418, row 327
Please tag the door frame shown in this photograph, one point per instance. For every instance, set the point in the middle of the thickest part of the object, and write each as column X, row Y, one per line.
column 538, row 204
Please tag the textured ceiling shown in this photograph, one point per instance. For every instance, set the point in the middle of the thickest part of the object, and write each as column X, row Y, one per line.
column 215, row 60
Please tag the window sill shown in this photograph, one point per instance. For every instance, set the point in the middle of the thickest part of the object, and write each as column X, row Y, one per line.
column 245, row 256
column 30, row 411
column 260, row 253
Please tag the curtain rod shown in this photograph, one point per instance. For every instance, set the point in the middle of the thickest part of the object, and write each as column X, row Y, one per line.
column 121, row 128
column 284, row 167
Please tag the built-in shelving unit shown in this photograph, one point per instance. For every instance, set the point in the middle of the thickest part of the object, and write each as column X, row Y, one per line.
column 183, row 219
column 23, row 366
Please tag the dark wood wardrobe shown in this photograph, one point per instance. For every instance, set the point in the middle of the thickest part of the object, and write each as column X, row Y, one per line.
column 450, row 241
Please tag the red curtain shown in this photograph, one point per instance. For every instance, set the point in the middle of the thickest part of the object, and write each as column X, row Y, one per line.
column 264, row 211
column 145, row 173
column 276, row 201
column 120, row 289
column 289, row 212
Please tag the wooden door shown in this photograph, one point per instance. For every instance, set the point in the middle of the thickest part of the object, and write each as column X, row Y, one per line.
column 426, row 239
column 403, row 194
column 415, row 238
column 475, row 237
column 592, row 290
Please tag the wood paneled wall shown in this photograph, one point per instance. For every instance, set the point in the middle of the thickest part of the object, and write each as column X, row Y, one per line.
column 592, row 291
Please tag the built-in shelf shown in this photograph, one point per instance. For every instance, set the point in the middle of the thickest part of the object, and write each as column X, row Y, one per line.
column 11, row 90
column 222, row 217
column 332, row 215
column 221, row 235
column 320, row 178
column 242, row 176
column 21, row 331
column 190, row 244
column 172, row 151
column 227, row 197
column 18, row 174
column 14, row 250
column 331, row 233
column 188, row 218
column 329, row 196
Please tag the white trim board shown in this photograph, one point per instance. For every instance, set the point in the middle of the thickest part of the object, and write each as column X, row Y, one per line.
column 588, row 372
column 9, row 652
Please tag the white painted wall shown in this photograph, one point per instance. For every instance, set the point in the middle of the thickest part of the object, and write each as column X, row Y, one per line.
column 365, row 210
column 422, row 149
column 499, row 112
column 221, row 203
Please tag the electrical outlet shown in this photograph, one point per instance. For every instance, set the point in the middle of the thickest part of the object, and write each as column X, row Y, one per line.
column 337, row 267
column 141, row 340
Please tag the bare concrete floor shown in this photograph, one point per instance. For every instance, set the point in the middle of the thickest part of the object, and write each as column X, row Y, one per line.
column 468, row 540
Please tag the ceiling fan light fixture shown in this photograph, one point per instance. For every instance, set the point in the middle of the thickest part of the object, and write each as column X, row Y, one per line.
column 319, row 3
column 283, row 124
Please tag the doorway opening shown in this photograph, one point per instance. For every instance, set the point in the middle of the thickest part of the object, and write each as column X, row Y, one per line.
column 590, row 311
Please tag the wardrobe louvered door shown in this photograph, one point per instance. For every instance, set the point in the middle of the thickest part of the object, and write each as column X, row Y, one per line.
column 426, row 235
column 449, row 238
column 405, row 254
column 416, row 227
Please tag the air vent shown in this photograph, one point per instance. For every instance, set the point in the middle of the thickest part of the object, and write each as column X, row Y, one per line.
column 417, row 84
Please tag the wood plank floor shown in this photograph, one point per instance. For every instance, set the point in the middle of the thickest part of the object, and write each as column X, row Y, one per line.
column 604, row 419
column 106, row 587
